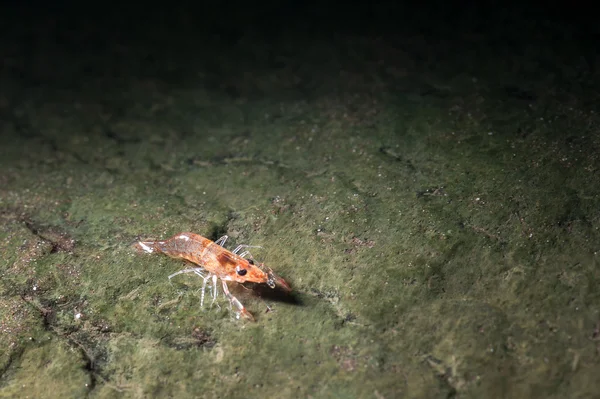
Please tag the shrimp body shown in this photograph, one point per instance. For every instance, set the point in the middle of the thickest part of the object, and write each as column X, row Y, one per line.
column 215, row 262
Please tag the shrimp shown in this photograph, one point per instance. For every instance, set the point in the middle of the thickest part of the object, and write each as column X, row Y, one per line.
column 216, row 263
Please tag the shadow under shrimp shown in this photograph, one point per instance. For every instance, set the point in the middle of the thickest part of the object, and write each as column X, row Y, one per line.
column 276, row 294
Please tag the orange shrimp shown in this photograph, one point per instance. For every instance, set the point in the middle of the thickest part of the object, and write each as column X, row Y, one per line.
column 216, row 262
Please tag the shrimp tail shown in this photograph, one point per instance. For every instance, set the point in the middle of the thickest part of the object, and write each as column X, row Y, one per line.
column 150, row 246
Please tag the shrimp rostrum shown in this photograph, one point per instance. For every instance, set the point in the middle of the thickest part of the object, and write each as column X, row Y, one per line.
column 216, row 263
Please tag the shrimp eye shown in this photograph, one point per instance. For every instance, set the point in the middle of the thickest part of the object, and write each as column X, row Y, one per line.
column 241, row 272
column 251, row 261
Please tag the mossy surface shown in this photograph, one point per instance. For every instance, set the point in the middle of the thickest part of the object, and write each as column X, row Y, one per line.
column 437, row 219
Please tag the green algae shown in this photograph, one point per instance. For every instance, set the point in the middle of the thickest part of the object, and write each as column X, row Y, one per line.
column 439, row 243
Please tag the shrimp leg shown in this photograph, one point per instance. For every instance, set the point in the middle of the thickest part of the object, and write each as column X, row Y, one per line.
column 221, row 241
column 235, row 302
column 245, row 254
column 214, row 290
column 237, row 249
column 201, row 272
